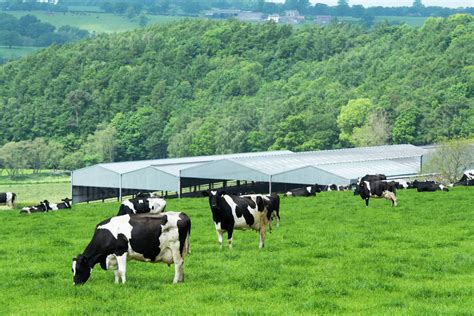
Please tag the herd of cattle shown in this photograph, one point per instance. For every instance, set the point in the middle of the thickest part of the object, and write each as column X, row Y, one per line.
column 142, row 231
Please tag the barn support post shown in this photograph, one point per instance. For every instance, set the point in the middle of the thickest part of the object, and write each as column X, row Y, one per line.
column 270, row 185
column 179, row 185
column 72, row 187
column 120, row 189
column 421, row 164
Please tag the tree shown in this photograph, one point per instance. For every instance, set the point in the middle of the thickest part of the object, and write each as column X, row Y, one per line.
column 13, row 158
column 374, row 132
column 451, row 159
column 406, row 126
column 353, row 115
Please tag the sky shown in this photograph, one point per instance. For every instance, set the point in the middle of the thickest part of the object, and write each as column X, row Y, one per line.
column 399, row 3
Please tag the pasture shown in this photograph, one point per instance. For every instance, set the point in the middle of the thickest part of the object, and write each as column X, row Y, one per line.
column 330, row 255
column 94, row 22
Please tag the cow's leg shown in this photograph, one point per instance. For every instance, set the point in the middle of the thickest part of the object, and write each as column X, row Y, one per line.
column 229, row 237
column 178, row 265
column 122, row 266
column 262, row 237
column 367, row 202
column 270, row 224
column 220, row 236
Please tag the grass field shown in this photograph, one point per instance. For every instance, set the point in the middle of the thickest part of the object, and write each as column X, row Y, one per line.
column 330, row 255
column 94, row 22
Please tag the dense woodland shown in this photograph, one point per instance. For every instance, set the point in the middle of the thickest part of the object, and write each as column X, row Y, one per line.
column 204, row 87
column 28, row 30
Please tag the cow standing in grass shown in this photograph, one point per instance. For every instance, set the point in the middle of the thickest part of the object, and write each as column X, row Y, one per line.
column 142, row 204
column 8, row 198
column 231, row 212
column 144, row 237
column 378, row 189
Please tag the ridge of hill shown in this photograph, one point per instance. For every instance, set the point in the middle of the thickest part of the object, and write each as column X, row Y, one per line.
column 202, row 87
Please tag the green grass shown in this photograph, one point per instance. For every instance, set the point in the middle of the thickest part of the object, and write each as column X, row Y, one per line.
column 331, row 255
column 28, row 177
column 94, row 22
column 31, row 194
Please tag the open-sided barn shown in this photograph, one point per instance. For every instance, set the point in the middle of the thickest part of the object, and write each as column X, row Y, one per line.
column 245, row 172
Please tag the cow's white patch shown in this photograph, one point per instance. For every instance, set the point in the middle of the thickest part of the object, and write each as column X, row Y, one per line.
column 74, row 267
column 213, row 192
column 368, row 187
column 119, row 225
column 129, row 204
column 289, row 193
column 53, row 206
column 157, row 205
column 308, row 189
column 441, row 187
column 9, row 197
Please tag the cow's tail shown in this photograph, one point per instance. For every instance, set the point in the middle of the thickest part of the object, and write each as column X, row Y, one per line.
column 184, row 231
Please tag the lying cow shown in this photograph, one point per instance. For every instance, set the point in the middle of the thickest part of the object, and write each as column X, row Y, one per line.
column 144, row 237
column 467, row 178
column 377, row 189
column 65, row 204
column 305, row 191
column 272, row 204
column 42, row 207
column 8, row 198
column 142, row 205
column 231, row 212
column 428, row 186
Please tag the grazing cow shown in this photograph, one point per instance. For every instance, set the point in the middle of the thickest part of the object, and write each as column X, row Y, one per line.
column 378, row 189
column 144, row 237
column 428, row 186
column 403, row 184
column 272, row 204
column 142, row 205
column 8, row 198
column 305, row 191
column 231, row 212
column 467, row 178
column 42, row 207
column 60, row 206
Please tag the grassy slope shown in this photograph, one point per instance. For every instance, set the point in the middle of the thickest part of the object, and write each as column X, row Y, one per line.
column 330, row 255
column 94, row 22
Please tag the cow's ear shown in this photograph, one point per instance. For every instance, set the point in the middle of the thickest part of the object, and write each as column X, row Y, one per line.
column 205, row 193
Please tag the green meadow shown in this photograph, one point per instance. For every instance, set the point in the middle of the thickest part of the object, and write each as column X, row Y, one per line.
column 331, row 255
column 94, row 22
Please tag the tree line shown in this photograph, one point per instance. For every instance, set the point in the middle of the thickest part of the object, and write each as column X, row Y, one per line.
column 28, row 30
column 206, row 87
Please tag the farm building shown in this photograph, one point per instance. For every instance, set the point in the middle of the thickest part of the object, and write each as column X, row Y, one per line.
column 245, row 172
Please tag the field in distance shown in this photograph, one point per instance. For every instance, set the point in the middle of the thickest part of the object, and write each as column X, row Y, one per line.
column 330, row 255
column 94, row 22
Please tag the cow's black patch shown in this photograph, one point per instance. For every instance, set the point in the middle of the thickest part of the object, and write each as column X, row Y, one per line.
column 145, row 229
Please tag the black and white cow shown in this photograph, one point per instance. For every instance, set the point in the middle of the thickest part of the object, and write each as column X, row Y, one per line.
column 467, row 178
column 142, row 205
column 144, row 237
column 428, row 186
column 377, row 189
column 272, row 204
column 8, row 198
column 368, row 178
column 231, row 212
column 304, row 191
column 66, row 203
column 42, row 207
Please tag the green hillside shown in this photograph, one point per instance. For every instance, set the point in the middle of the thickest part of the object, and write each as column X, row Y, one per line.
column 200, row 87
column 330, row 255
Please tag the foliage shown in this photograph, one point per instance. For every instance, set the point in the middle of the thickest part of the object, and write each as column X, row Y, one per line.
column 451, row 159
column 413, row 259
column 203, row 87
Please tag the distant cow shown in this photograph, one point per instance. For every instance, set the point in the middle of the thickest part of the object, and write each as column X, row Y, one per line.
column 467, row 178
column 144, row 237
column 368, row 178
column 377, row 189
column 403, row 184
column 8, row 198
column 231, row 212
column 66, row 203
column 272, row 204
column 305, row 191
column 42, row 207
column 142, row 205
column 428, row 186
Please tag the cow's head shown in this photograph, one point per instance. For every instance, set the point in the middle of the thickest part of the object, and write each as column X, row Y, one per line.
column 45, row 203
column 316, row 188
column 67, row 201
column 81, row 270
column 214, row 197
column 157, row 205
